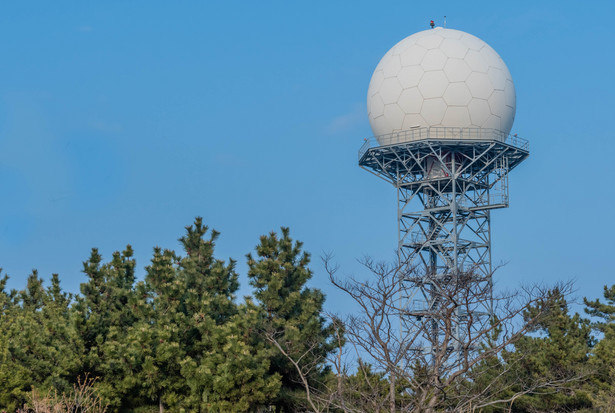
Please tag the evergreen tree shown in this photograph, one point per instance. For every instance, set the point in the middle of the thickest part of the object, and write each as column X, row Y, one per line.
column 200, row 350
column 557, row 353
column 177, row 339
column 207, row 277
column 603, row 355
column 164, row 332
column 232, row 372
column 225, row 368
column 39, row 346
column 291, row 314
column 105, row 297
column 103, row 314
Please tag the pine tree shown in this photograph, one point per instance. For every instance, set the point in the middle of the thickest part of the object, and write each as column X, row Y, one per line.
column 163, row 332
column 291, row 314
column 190, row 296
column 39, row 346
column 201, row 353
column 226, row 368
column 557, row 352
column 232, row 371
column 103, row 313
column 603, row 355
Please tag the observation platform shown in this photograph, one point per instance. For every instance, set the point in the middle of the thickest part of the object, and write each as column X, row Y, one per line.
column 400, row 157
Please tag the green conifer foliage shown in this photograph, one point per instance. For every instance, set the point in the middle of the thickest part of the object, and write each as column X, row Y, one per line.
column 199, row 349
column 39, row 346
column 163, row 331
column 207, row 277
column 103, row 314
column 225, row 368
column 105, row 297
column 232, row 372
column 557, row 353
column 603, row 355
column 291, row 313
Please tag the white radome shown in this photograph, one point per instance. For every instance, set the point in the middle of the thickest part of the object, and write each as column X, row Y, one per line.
column 441, row 77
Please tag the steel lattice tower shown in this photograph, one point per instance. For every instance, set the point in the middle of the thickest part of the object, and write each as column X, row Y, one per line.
column 447, row 180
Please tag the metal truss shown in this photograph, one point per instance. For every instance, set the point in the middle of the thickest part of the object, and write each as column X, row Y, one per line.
column 446, row 187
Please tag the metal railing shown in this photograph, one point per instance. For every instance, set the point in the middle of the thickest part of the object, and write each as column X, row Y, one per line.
column 442, row 132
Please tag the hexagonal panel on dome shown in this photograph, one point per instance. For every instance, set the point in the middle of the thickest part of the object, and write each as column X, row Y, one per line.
column 413, row 120
column 457, row 94
column 433, row 111
column 434, row 60
column 376, row 82
column 430, row 41
column 507, row 119
column 454, row 48
column 492, row 57
column 473, row 42
column 476, row 61
column 394, row 115
column 380, row 125
column 390, row 90
column 509, row 91
column 410, row 76
column 479, row 111
column 411, row 100
column 418, row 35
column 497, row 102
column 412, row 55
column 497, row 78
column 479, row 84
column 451, row 33
column 433, row 84
column 493, row 122
column 456, row 70
column 392, row 67
column 375, row 106
column 455, row 116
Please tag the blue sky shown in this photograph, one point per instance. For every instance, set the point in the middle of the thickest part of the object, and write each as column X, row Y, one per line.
column 120, row 121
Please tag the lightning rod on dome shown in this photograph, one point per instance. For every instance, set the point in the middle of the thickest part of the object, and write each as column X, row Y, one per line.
column 445, row 22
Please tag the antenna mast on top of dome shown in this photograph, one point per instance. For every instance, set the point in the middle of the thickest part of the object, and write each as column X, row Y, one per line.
column 445, row 22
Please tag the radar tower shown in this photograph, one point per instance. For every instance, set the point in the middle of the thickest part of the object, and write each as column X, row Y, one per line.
column 441, row 104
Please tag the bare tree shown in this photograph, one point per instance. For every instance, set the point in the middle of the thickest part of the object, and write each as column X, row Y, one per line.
column 392, row 359
column 451, row 358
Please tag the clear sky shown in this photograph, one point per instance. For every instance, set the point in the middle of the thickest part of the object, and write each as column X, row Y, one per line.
column 120, row 121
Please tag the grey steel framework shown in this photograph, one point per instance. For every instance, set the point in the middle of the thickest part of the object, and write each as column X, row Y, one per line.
column 447, row 180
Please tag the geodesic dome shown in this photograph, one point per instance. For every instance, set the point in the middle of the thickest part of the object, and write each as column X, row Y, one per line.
column 441, row 77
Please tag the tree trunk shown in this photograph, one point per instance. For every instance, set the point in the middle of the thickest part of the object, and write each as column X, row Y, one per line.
column 392, row 393
column 160, row 406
